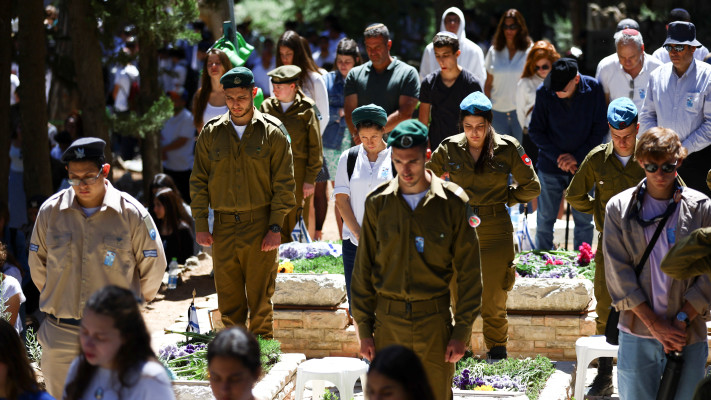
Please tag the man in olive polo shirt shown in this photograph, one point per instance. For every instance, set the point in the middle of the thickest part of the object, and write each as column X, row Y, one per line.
column 244, row 170
column 609, row 169
column 384, row 81
column 417, row 231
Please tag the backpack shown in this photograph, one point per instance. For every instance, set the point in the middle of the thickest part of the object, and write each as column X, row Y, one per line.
column 353, row 156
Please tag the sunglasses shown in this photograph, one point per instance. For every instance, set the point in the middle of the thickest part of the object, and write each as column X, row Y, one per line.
column 511, row 27
column 666, row 168
column 87, row 181
column 544, row 67
column 676, row 47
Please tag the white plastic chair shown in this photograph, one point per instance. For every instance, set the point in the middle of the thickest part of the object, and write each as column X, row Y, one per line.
column 587, row 349
column 341, row 371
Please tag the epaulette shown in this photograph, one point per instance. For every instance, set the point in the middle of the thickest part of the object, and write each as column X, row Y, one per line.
column 272, row 120
column 142, row 211
column 456, row 190
column 521, row 151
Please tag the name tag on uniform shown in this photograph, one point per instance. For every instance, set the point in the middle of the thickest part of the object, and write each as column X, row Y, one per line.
column 150, row 253
column 34, row 247
column 642, row 93
column 420, row 244
column 109, row 258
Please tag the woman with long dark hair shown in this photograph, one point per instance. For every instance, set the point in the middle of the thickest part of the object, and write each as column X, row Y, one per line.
column 335, row 140
column 209, row 101
column 17, row 378
column 174, row 225
column 504, row 64
column 115, row 358
column 396, row 373
column 480, row 161
column 234, row 353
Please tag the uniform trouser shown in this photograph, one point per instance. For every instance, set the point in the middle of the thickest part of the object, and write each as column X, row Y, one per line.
column 425, row 330
column 245, row 275
column 602, row 296
column 60, row 345
column 291, row 219
column 497, row 275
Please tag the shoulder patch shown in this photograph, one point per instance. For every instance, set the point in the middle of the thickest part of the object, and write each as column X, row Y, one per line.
column 150, row 253
column 151, row 227
column 521, row 152
column 34, row 247
column 318, row 113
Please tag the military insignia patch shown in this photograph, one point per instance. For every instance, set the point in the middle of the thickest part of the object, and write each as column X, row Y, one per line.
column 153, row 234
column 406, row 141
column 420, row 244
column 150, row 227
column 34, row 247
column 474, row 221
column 526, row 159
column 79, row 153
column 237, row 80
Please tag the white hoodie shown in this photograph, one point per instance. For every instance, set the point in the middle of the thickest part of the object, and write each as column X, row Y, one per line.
column 471, row 58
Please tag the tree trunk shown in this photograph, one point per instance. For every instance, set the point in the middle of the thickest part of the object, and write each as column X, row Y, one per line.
column 63, row 93
column 87, row 64
column 33, row 104
column 5, row 56
column 149, row 94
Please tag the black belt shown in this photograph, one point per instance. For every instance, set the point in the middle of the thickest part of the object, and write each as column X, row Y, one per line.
column 483, row 211
column 423, row 307
column 66, row 321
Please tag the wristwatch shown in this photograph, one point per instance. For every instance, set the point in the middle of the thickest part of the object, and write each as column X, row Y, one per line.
column 275, row 228
column 681, row 316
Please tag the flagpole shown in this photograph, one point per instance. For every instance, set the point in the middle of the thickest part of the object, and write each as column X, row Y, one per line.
column 231, row 34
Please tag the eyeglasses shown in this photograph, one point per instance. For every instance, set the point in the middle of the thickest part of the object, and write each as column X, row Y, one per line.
column 89, row 181
column 544, row 67
column 511, row 27
column 631, row 96
column 676, row 47
column 666, row 168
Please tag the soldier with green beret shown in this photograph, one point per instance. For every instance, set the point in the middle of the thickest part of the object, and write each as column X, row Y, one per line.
column 417, row 236
column 298, row 113
column 244, row 170
column 608, row 169
column 480, row 161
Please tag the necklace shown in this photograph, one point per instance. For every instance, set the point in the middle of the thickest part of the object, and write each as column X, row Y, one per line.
column 99, row 394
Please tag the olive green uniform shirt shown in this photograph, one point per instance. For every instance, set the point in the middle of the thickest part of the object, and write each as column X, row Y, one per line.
column 603, row 171
column 690, row 256
column 490, row 186
column 239, row 175
column 388, row 263
column 301, row 121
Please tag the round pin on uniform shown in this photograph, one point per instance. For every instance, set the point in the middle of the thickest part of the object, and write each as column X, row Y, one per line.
column 474, row 221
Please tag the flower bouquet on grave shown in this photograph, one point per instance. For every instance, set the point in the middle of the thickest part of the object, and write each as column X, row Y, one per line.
column 315, row 257
column 557, row 263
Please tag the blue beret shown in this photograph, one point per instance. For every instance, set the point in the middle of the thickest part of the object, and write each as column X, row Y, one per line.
column 86, row 148
column 476, row 103
column 237, row 77
column 370, row 112
column 408, row 134
column 621, row 112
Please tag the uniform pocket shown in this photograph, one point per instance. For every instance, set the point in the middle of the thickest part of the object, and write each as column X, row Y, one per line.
column 59, row 252
column 510, row 278
column 257, row 151
column 219, row 153
column 118, row 256
column 693, row 102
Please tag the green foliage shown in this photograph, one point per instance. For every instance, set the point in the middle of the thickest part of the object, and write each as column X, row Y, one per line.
column 329, row 264
column 646, row 13
column 563, row 28
column 270, row 352
column 532, row 372
column 34, row 349
column 152, row 121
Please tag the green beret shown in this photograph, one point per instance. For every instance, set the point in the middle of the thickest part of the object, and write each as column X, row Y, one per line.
column 237, row 77
column 408, row 134
column 370, row 112
column 86, row 148
column 285, row 74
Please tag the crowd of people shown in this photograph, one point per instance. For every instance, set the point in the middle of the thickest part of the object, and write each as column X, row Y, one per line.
column 426, row 167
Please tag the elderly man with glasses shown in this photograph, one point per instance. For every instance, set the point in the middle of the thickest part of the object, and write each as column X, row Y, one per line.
column 86, row 237
column 679, row 97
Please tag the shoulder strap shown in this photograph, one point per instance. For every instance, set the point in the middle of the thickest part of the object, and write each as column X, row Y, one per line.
column 350, row 163
column 650, row 246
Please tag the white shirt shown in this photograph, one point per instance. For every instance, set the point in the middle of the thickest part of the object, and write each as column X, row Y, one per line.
column 663, row 55
column 414, row 199
column 315, row 89
column 212, row 112
column 239, row 129
column 124, row 78
column 506, row 74
column 364, row 179
column 181, row 125
column 617, row 83
column 526, row 98
column 623, row 160
column 285, row 106
column 152, row 384
column 9, row 287
column 680, row 103
column 14, row 83
column 261, row 79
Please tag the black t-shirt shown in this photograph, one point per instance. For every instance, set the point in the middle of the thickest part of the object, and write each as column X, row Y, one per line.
column 444, row 102
column 179, row 244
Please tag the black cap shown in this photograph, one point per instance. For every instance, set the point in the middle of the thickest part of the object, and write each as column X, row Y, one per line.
column 627, row 23
column 563, row 71
column 681, row 32
column 86, row 148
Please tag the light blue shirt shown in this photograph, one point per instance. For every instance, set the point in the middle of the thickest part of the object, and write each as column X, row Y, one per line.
column 680, row 103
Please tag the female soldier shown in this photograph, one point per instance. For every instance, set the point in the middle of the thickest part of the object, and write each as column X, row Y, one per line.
column 480, row 161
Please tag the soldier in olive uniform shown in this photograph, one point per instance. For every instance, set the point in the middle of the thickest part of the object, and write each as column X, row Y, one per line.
column 480, row 161
column 609, row 168
column 417, row 235
column 243, row 169
column 298, row 114
column 691, row 255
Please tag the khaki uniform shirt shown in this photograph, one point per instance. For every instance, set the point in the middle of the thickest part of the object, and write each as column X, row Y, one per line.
column 388, row 263
column 239, row 175
column 603, row 171
column 491, row 186
column 690, row 256
column 302, row 124
column 72, row 255
column 623, row 247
